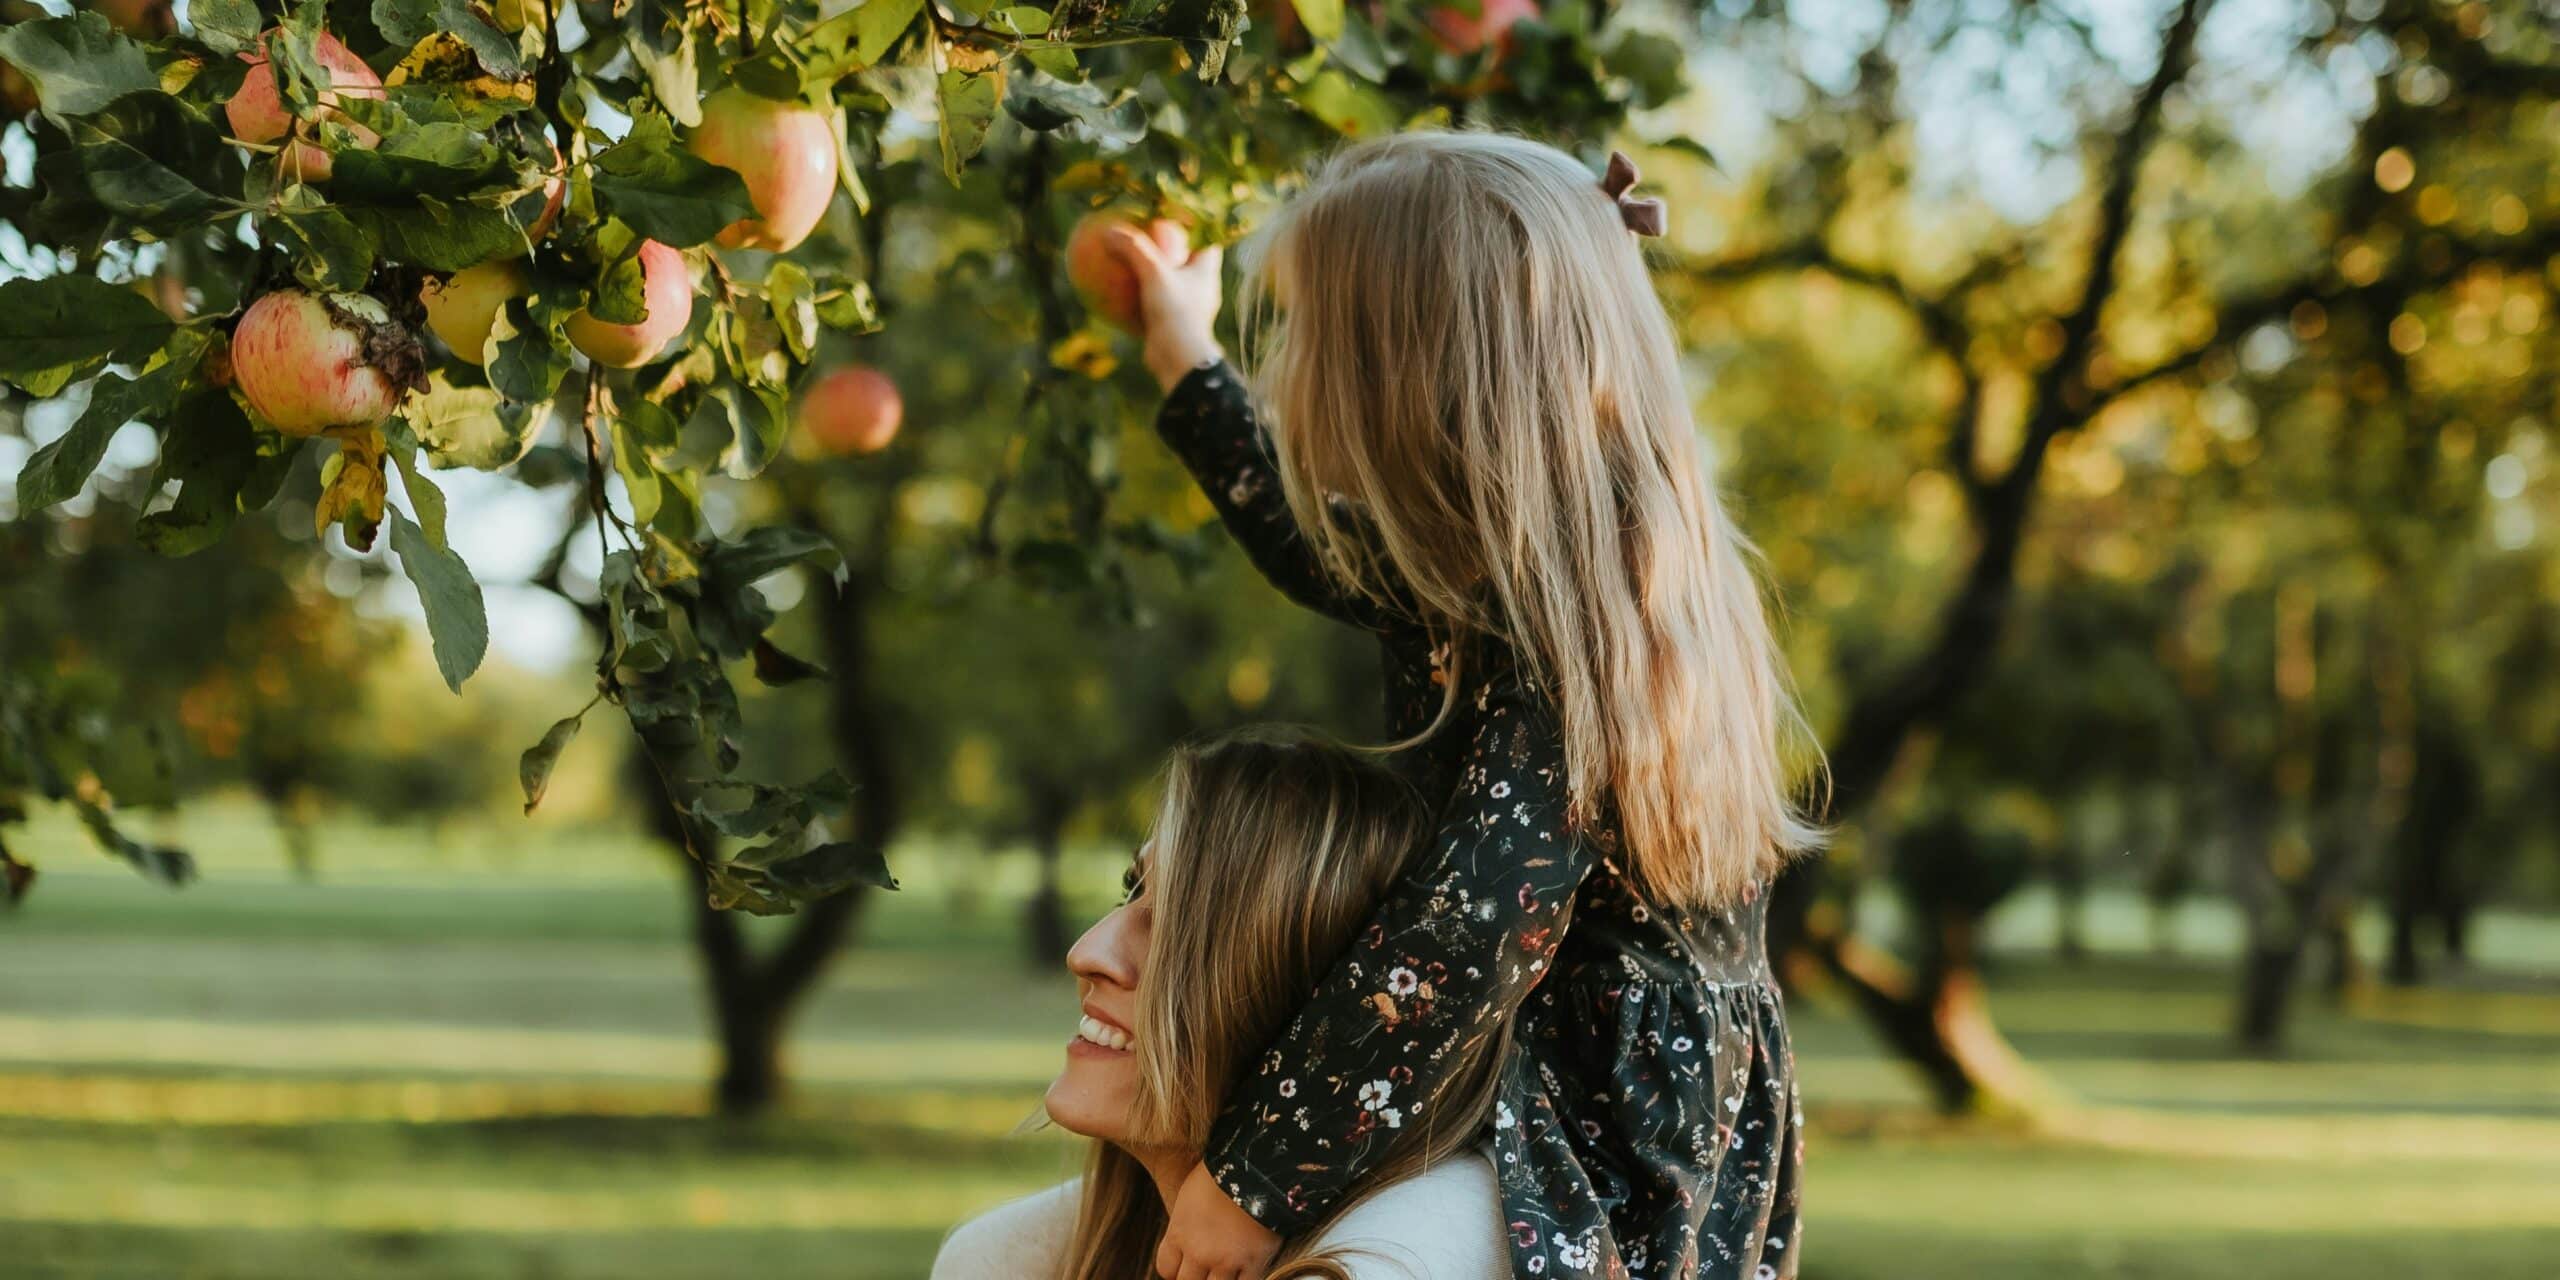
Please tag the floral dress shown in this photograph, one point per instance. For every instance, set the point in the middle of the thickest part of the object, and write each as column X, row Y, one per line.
column 1648, row 1123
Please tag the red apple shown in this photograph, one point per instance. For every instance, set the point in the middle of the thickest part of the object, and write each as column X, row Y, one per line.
column 314, row 362
column 463, row 307
column 853, row 410
column 257, row 111
column 666, row 291
column 786, row 152
column 1098, row 272
column 1459, row 32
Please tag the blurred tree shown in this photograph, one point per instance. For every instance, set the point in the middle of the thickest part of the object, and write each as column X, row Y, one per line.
column 2156, row 280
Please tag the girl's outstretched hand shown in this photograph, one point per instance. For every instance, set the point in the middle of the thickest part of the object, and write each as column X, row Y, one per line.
column 1178, row 292
column 1210, row 1238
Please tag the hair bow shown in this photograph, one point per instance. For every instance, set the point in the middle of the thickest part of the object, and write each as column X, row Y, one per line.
column 1645, row 217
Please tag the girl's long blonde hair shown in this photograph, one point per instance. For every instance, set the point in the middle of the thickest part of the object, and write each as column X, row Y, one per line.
column 1270, row 848
column 1476, row 397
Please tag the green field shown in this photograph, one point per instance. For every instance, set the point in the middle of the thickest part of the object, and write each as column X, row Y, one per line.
column 483, row 1059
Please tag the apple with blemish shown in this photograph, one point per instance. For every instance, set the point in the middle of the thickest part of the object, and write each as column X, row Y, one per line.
column 666, row 292
column 786, row 154
column 316, row 362
column 854, row 410
column 257, row 111
column 463, row 307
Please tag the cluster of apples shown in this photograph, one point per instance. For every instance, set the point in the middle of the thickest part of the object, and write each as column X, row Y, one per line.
column 312, row 363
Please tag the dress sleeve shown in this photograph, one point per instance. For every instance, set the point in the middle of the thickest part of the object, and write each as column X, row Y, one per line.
column 1209, row 423
column 1468, row 930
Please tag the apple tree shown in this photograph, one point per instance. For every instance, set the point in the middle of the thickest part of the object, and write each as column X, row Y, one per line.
column 331, row 250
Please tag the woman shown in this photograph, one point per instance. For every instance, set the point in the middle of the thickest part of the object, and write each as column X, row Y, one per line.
column 1270, row 848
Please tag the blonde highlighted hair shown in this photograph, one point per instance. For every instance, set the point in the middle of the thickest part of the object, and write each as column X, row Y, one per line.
column 1478, row 412
column 1271, row 847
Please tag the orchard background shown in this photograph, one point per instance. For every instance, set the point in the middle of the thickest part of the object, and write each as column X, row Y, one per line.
column 450, row 812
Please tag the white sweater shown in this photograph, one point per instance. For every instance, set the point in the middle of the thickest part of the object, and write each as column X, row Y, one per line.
column 1444, row 1224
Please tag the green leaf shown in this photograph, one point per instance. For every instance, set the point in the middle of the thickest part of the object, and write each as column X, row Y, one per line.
column 330, row 252
column 533, row 770
column 1020, row 20
column 530, row 359
column 1321, row 18
column 1353, row 109
column 621, row 293
column 757, row 421
column 209, row 451
column 226, row 26
column 437, row 235
column 859, row 38
column 146, row 158
column 639, row 477
column 667, row 57
column 473, row 427
column 424, row 496
column 789, row 291
column 57, row 470
column 768, row 549
column 832, row 868
column 776, row 667
column 664, row 191
column 73, row 320
column 457, row 620
column 969, row 100
column 77, row 64
column 447, row 160
column 406, row 22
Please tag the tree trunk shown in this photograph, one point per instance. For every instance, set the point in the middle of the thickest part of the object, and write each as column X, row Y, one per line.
column 2266, row 990
column 1939, row 1020
column 1044, row 916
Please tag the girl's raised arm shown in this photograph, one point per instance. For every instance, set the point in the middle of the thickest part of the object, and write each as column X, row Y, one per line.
column 1209, row 423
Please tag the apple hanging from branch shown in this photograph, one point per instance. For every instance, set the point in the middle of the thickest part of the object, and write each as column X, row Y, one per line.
column 463, row 307
column 310, row 363
column 257, row 111
column 786, row 153
column 853, row 410
column 666, row 291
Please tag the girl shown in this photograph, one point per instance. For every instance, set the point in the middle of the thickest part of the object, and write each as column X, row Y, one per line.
column 1269, row 849
column 1483, row 453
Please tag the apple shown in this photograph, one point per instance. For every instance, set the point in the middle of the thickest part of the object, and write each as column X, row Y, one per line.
column 853, row 410
column 141, row 19
column 786, row 152
column 315, row 362
column 463, row 307
column 666, row 291
column 1459, row 32
column 257, row 111
column 1105, row 279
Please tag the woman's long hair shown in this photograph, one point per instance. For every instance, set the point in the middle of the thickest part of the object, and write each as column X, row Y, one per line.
column 1270, row 849
column 1476, row 396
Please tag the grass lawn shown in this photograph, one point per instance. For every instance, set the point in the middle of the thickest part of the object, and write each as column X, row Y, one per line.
column 483, row 1059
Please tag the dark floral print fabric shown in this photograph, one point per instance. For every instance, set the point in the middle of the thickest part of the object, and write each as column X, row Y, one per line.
column 1648, row 1123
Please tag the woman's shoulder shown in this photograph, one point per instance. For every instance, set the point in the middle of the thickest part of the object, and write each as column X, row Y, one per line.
column 1444, row 1223
column 1025, row 1237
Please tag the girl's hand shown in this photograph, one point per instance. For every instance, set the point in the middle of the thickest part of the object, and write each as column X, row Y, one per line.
column 1178, row 294
column 1210, row 1238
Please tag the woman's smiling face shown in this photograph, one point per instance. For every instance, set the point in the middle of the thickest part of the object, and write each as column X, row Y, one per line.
column 1097, row 1091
